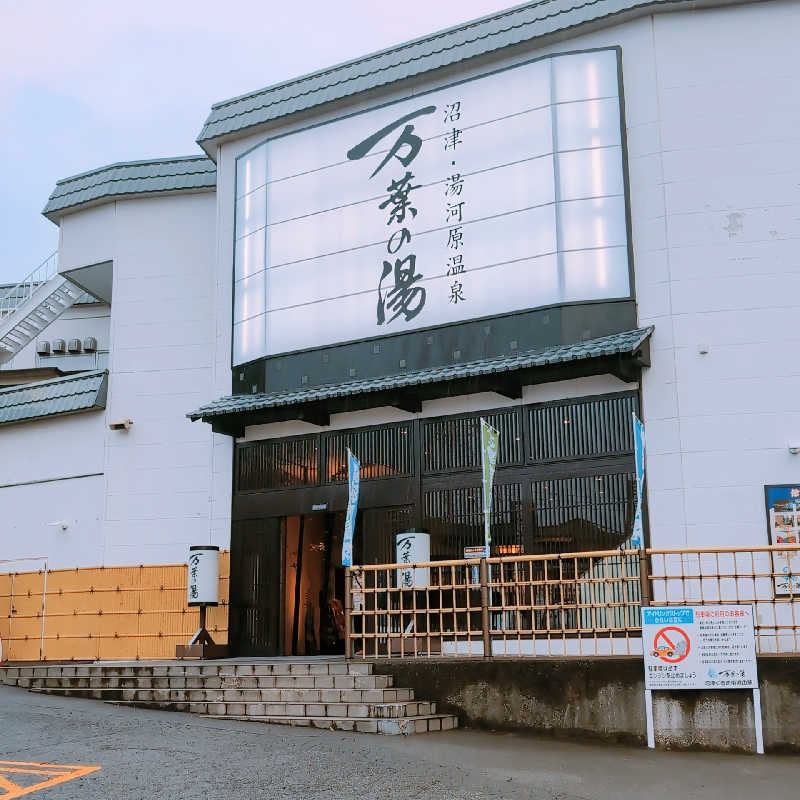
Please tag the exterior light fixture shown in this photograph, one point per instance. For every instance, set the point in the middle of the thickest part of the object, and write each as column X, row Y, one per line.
column 121, row 425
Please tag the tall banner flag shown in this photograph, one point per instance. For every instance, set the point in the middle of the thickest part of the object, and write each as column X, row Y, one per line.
column 353, row 483
column 637, row 537
column 489, row 442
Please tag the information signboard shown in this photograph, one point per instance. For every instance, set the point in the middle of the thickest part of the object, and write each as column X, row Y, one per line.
column 783, row 514
column 699, row 647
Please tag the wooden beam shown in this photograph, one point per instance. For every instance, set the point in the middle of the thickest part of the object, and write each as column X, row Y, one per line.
column 407, row 401
column 626, row 369
column 508, row 386
column 227, row 425
column 314, row 415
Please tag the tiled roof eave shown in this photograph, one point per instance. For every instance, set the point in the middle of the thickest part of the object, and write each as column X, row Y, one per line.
column 83, row 391
column 620, row 344
column 540, row 22
column 131, row 179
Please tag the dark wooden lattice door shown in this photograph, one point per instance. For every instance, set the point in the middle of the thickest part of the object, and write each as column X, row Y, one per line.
column 254, row 614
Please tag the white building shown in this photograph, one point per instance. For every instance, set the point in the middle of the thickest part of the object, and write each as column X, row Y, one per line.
column 649, row 265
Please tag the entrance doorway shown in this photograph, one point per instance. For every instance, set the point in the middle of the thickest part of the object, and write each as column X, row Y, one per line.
column 313, row 585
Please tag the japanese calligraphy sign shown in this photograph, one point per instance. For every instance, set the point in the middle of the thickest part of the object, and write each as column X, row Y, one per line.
column 413, row 547
column 699, row 647
column 500, row 193
column 203, row 576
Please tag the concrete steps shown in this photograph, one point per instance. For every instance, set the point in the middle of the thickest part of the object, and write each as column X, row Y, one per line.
column 390, row 727
column 329, row 694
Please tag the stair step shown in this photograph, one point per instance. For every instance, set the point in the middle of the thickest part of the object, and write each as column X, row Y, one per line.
column 34, row 312
column 266, row 695
column 164, row 697
column 304, row 683
column 178, row 670
column 390, row 727
column 332, row 695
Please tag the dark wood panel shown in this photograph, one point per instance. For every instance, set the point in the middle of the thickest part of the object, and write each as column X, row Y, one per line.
column 254, row 612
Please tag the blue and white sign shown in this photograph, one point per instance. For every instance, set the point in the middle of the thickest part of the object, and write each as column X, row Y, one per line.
column 699, row 647
column 354, row 483
column 637, row 537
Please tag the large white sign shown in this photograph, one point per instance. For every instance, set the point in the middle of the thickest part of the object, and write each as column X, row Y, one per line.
column 699, row 647
column 497, row 194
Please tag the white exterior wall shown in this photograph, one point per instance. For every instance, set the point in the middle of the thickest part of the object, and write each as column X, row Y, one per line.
column 729, row 108
column 51, row 471
column 158, row 475
column 712, row 111
column 151, row 489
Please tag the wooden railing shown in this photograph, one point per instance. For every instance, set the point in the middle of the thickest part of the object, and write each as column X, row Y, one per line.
column 567, row 604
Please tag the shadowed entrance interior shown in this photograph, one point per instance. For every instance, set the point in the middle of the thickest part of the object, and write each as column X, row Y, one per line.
column 313, row 596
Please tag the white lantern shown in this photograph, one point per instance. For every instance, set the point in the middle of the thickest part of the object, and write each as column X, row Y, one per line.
column 203, row 583
column 413, row 547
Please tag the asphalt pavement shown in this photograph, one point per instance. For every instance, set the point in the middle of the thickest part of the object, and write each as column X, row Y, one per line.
column 159, row 754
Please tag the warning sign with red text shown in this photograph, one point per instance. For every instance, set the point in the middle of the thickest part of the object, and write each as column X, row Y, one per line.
column 699, row 647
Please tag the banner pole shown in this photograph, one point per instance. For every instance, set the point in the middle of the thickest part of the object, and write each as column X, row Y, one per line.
column 758, row 722
column 648, row 712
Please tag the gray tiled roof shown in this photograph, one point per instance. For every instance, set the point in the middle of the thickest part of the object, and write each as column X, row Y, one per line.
column 133, row 177
column 616, row 344
column 543, row 20
column 81, row 392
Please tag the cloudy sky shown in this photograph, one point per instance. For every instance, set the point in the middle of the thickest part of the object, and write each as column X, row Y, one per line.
column 85, row 83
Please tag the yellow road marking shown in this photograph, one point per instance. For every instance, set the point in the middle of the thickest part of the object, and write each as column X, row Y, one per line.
column 52, row 775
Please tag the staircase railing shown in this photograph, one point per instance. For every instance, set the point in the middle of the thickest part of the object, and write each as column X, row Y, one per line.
column 13, row 298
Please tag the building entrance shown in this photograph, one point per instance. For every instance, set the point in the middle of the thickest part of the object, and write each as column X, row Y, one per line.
column 564, row 483
column 313, row 586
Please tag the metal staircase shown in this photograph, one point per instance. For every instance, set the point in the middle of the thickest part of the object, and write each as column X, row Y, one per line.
column 29, row 307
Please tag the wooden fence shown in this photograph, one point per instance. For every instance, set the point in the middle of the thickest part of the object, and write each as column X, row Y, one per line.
column 103, row 613
column 568, row 604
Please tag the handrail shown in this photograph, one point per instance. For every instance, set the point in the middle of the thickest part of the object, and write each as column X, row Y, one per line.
column 19, row 294
column 585, row 603
column 650, row 551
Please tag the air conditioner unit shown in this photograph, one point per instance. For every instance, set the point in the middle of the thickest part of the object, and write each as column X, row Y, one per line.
column 90, row 344
column 59, row 345
column 43, row 348
column 74, row 346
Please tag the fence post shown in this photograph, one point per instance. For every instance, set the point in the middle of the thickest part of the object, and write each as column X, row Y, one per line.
column 644, row 577
column 44, row 613
column 348, row 622
column 487, row 639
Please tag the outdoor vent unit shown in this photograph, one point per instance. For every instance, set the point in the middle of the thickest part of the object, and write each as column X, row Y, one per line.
column 74, row 346
column 59, row 346
column 90, row 344
column 43, row 348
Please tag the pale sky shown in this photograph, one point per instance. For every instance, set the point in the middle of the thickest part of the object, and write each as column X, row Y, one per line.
column 84, row 83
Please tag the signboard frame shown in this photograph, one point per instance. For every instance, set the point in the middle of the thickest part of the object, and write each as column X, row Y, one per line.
column 678, row 632
column 437, row 87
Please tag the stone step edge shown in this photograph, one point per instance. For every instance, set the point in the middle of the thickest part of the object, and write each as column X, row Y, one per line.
column 220, row 682
column 279, row 668
column 372, row 708
column 82, row 691
column 373, row 711
column 432, row 723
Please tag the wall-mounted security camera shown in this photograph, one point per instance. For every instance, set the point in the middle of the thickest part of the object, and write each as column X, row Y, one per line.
column 63, row 524
column 121, row 425
column 794, row 448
